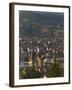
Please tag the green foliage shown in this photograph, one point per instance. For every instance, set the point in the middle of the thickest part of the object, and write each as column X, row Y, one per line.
column 54, row 69
column 21, row 73
column 29, row 73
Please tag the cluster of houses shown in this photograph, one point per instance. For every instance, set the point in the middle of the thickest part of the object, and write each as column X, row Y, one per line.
column 39, row 52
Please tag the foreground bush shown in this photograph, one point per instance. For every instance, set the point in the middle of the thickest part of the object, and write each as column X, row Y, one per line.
column 29, row 73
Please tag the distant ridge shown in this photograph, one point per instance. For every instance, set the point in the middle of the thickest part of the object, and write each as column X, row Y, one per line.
column 34, row 22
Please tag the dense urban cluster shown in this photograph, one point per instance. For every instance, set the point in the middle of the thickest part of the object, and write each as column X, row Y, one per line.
column 41, row 44
column 40, row 53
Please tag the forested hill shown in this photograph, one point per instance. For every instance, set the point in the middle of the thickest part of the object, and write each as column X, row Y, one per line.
column 34, row 23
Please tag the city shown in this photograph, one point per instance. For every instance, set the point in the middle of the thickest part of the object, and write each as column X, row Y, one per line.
column 41, row 50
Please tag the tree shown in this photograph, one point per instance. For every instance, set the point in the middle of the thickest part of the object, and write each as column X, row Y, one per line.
column 30, row 72
column 55, row 69
column 21, row 73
